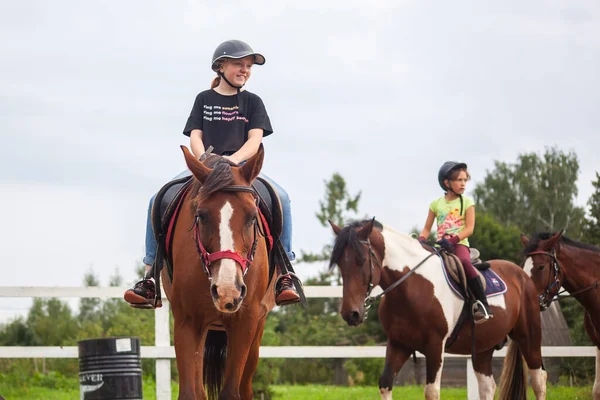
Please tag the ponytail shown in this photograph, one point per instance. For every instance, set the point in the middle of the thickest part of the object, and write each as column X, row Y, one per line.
column 215, row 82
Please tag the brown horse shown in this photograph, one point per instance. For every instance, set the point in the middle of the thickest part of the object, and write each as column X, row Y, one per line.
column 220, row 292
column 420, row 313
column 554, row 261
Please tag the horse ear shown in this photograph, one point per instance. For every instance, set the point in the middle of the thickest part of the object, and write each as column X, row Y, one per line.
column 198, row 169
column 336, row 229
column 252, row 168
column 524, row 240
column 553, row 241
column 366, row 230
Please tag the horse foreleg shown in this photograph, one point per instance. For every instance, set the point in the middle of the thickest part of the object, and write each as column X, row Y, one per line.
column 252, row 363
column 239, row 342
column 395, row 357
column 434, row 361
column 185, row 338
column 482, row 364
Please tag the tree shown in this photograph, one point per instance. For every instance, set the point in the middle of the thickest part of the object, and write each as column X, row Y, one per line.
column 495, row 240
column 536, row 193
column 592, row 226
column 338, row 206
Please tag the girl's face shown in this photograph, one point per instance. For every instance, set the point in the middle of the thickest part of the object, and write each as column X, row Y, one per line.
column 238, row 71
column 459, row 183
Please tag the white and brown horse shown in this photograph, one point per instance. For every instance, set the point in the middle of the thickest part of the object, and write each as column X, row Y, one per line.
column 420, row 313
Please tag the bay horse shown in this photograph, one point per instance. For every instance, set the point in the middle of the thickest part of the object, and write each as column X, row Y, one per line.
column 220, row 292
column 420, row 312
column 554, row 261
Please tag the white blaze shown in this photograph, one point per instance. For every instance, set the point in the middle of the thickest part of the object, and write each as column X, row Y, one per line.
column 228, row 269
column 528, row 266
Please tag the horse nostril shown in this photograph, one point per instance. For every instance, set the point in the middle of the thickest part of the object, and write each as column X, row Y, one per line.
column 354, row 316
column 214, row 292
column 229, row 306
column 243, row 292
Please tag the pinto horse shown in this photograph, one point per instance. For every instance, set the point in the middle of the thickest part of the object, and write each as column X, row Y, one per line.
column 554, row 261
column 420, row 312
column 220, row 292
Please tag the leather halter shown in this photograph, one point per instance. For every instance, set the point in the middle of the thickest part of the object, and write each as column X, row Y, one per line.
column 554, row 279
column 208, row 258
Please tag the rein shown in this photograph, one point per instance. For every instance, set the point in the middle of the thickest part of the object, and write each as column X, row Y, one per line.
column 547, row 297
column 208, row 258
column 369, row 300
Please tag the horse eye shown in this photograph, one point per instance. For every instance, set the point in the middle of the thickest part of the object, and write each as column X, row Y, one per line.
column 541, row 267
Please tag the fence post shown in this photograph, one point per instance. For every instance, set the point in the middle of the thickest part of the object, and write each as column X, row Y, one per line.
column 472, row 388
column 162, row 339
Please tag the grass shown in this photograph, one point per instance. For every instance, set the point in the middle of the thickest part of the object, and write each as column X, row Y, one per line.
column 299, row 392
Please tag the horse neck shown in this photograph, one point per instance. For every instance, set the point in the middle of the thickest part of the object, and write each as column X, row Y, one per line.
column 581, row 267
column 401, row 251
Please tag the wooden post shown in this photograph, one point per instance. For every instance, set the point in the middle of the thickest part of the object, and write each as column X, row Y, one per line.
column 162, row 339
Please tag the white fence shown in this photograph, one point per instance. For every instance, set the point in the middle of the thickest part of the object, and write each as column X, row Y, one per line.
column 162, row 351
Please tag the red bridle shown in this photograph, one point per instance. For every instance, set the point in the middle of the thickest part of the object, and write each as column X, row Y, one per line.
column 208, row 258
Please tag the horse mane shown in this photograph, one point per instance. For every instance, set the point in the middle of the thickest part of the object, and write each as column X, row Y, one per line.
column 220, row 177
column 348, row 236
column 539, row 236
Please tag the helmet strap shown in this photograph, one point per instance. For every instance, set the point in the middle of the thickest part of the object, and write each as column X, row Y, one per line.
column 222, row 75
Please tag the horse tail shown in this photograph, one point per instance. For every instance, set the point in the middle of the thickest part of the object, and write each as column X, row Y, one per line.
column 215, row 352
column 513, row 381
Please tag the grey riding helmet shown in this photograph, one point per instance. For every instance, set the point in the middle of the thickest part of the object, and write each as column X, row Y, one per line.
column 445, row 171
column 235, row 49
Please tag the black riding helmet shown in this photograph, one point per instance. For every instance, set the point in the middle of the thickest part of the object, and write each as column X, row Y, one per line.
column 445, row 170
column 234, row 49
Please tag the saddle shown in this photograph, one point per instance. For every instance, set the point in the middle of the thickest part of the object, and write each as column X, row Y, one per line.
column 166, row 208
column 456, row 270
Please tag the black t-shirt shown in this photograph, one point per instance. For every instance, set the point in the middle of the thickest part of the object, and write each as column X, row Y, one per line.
column 222, row 126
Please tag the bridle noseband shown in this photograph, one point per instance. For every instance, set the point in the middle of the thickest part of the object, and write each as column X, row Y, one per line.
column 207, row 258
column 546, row 298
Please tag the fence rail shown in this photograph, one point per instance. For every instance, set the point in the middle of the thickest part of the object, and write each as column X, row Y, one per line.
column 162, row 351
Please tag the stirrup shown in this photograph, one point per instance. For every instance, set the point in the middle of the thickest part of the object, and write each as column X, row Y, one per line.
column 480, row 308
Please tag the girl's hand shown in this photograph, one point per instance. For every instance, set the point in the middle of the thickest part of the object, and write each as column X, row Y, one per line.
column 232, row 159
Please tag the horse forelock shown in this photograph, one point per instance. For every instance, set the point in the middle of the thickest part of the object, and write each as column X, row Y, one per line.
column 220, row 177
column 347, row 237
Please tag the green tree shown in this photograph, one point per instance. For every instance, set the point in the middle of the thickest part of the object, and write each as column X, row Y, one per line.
column 536, row 193
column 592, row 226
column 337, row 205
column 495, row 240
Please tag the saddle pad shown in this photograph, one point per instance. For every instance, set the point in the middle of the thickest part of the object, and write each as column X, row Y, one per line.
column 495, row 286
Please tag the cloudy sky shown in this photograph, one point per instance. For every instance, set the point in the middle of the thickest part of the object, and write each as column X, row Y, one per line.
column 94, row 96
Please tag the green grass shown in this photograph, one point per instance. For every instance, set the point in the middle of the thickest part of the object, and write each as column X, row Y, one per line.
column 299, row 392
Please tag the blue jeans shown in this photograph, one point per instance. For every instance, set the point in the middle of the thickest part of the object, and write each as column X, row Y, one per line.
column 286, row 233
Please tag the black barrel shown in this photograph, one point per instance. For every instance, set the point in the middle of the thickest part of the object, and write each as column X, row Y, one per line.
column 110, row 369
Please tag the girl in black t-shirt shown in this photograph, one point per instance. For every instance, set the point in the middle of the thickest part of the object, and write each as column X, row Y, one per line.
column 234, row 122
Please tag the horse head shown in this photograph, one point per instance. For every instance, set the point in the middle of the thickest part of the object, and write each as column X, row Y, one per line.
column 357, row 251
column 542, row 265
column 226, row 227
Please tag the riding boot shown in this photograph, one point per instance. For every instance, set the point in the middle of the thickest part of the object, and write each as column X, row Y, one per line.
column 285, row 291
column 481, row 310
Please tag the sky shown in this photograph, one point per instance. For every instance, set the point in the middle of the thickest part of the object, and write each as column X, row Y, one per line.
column 94, row 97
